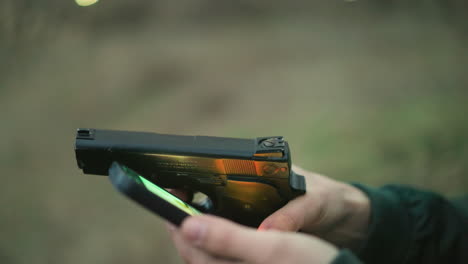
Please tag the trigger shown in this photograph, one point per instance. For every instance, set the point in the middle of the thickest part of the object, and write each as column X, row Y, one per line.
column 202, row 202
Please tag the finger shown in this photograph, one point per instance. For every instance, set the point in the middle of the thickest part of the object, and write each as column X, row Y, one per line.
column 185, row 250
column 188, row 252
column 306, row 209
column 288, row 218
column 223, row 238
column 191, row 254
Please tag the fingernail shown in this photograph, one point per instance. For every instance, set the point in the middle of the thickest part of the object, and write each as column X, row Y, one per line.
column 194, row 230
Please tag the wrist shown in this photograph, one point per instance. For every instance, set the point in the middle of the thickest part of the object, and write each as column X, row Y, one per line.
column 356, row 217
column 360, row 208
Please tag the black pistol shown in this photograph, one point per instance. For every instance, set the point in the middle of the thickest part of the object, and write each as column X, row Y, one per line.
column 245, row 179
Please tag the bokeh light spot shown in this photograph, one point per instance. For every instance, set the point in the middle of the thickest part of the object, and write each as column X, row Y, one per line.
column 86, row 2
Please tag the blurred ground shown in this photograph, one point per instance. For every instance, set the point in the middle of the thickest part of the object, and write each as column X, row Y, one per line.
column 376, row 94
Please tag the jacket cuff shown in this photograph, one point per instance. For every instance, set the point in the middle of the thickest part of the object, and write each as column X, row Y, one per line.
column 389, row 232
column 346, row 257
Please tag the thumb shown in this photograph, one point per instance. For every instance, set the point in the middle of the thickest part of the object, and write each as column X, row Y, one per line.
column 291, row 217
column 223, row 238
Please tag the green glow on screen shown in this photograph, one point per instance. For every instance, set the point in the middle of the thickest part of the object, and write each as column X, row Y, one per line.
column 169, row 197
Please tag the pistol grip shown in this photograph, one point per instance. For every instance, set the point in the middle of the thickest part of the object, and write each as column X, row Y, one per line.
column 247, row 202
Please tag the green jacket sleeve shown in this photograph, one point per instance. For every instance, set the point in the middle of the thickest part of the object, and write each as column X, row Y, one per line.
column 410, row 226
column 346, row 257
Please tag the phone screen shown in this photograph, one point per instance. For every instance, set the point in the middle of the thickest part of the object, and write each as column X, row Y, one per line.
column 160, row 192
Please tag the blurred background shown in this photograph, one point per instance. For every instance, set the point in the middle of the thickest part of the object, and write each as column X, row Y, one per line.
column 367, row 91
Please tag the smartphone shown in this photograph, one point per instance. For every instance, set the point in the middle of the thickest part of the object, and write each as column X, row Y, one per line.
column 149, row 195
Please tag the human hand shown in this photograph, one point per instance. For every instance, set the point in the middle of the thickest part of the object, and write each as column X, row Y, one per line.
column 331, row 210
column 213, row 240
